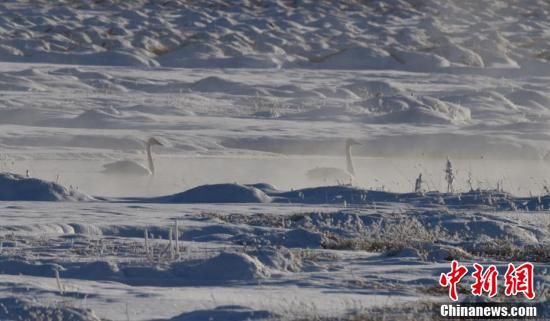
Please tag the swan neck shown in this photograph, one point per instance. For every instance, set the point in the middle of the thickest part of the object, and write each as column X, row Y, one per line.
column 150, row 159
column 349, row 161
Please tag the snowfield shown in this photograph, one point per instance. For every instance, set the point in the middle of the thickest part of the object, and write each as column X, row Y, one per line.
column 218, row 219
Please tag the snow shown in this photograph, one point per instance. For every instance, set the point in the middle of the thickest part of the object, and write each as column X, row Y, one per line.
column 15, row 187
column 218, row 193
column 222, row 268
column 259, row 257
column 430, row 36
column 247, row 100
column 20, row 309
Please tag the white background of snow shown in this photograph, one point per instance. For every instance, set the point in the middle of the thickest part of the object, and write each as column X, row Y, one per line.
column 247, row 94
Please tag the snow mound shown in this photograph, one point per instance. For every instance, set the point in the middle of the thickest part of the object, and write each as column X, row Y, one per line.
column 530, row 98
column 96, row 116
column 490, row 227
column 445, row 253
column 324, row 195
column 302, row 238
column 107, row 117
column 488, row 102
column 217, row 84
column 493, row 48
column 219, row 193
column 253, row 61
column 344, row 195
column 15, row 187
column 418, row 61
column 372, row 88
column 293, row 238
column 98, row 270
column 225, row 313
column 457, row 54
column 17, row 83
column 81, row 74
column 354, row 58
column 426, row 36
column 278, row 258
column 410, row 109
column 17, row 267
column 13, row 308
column 224, row 267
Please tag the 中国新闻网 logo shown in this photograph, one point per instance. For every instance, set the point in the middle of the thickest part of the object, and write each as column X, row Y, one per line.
column 517, row 280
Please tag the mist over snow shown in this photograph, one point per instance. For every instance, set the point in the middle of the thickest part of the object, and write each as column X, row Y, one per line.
column 285, row 160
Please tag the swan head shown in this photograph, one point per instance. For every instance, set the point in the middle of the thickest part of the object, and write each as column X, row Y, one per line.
column 351, row 142
column 154, row 141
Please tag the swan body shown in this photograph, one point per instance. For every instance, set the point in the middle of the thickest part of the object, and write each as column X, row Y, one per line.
column 329, row 175
column 132, row 168
column 334, row 174
column 126, row 167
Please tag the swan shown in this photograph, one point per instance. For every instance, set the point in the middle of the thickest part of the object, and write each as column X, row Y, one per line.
column 129, row 167
column 333, row 174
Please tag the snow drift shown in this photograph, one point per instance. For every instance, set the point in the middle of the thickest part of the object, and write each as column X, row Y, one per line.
column 218, row 193
column 225, row 267
column 15, row 187
column 347, row 195
column 275, row 34
column 13, row 308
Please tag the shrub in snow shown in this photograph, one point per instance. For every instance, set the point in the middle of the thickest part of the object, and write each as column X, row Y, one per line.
column 418, row 184
column 449, row 176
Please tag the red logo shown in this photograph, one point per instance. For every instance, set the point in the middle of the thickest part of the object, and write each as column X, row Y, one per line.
column 485, row 281
column 517, row 280
column 452, row 278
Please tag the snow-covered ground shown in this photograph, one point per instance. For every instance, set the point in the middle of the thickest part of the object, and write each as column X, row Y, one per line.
column 262, row 92
column 275, row 260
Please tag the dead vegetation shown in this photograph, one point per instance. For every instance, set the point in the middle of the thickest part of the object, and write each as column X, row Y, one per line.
column 504, row 250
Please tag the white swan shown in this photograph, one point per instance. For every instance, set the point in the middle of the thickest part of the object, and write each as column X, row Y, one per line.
column 333, row 174
column 129, row 167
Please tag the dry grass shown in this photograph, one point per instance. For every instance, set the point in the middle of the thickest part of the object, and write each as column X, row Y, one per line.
column 388, row 236
column 507, row 251
column 393, row 234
